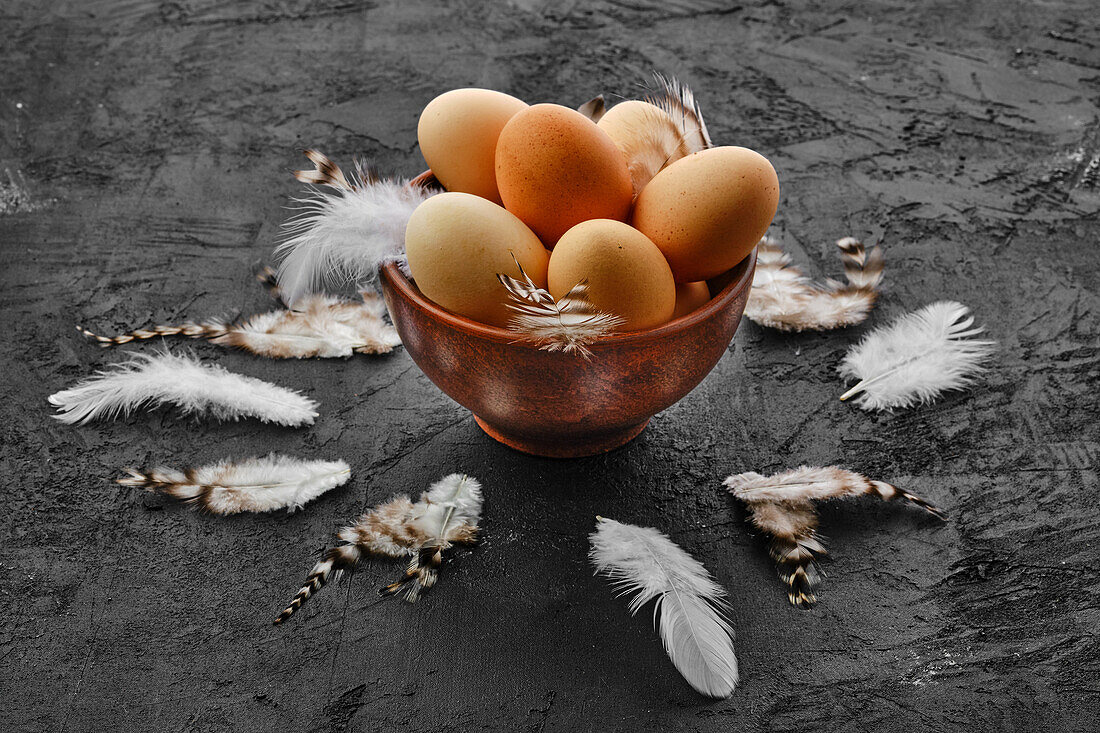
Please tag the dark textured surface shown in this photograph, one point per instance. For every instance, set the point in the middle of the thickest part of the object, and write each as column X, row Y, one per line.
column 149, row 145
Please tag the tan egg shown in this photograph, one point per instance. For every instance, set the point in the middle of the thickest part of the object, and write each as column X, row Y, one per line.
column 556, row 168
column 626, row 273
column 458, row 133
column 647, row 138
column 707, row 211
column 457, row 243
column 690, row 297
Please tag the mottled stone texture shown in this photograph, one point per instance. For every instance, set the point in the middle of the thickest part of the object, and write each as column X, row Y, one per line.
column 149, row 145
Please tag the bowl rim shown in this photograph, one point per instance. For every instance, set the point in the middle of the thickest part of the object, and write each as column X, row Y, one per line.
column 741, row 280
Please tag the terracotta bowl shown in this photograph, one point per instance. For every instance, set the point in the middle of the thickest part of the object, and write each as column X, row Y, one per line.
column 560, row 405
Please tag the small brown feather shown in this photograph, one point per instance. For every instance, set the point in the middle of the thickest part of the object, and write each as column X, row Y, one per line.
column 319, row 326
column 783, row 298
column 445, row 515
column 594, row 108
column 782, row 507
column 567, row 324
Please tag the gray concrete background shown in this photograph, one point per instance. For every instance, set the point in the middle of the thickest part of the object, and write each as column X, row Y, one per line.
column 149, row 146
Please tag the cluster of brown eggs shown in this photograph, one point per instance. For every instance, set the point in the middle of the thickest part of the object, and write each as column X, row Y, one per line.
column 574, row 200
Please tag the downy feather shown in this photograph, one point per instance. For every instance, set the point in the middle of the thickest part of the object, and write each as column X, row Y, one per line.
column 446, row 514
column 180, row 380
column 688, row 603
column 783, row 298
column 649, row 144
column 346, row 235
column 567, row 324
column 676, row 99
column 782, row 507
column 916, row 358
column 319, row 326
column 251, row 485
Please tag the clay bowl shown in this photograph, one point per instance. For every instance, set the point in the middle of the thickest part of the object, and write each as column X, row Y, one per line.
column 561, row 405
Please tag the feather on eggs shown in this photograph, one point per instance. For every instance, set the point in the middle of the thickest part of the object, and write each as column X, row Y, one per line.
column 567, row 324
column 678, row 101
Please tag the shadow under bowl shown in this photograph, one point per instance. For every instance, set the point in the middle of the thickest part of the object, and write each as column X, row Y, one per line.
column 562, row 405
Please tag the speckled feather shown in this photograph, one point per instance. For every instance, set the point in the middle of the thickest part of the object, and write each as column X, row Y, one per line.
column 446, row 514
column 782, row 506
column 252, row 485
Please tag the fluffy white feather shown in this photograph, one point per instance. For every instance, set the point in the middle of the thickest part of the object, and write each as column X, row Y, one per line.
column 251, row 485
column 688, row 602
column 916, row 358
column 194, row 388
column 346, row 235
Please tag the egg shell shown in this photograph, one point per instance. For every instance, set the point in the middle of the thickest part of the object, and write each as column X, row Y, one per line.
column 626, row 273
column 458, row 133
column 457, row 243
column 690, row 297
column 555, row 168
column 707, row 211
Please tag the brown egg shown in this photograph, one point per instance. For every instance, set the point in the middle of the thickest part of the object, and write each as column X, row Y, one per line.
column 690, row 297
column 555, row 169
column 626, row 273
column 457, row 243
column 707, row 211
column 458, row 133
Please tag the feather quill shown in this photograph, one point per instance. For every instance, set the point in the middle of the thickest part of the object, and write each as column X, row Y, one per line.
column 688, row 610
column 916, row 358
column 345, row 235
column 567, row 324
column 678, row 101
column 783, row 298
column 318, row 326
column 782, row 507
column 251, row 485
column 193, row 387
column 446, row 514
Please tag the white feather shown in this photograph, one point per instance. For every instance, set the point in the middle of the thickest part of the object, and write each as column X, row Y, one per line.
column 451, row 501
column 644, row 562
column 344, row 236
column 194, row 388
column 917, row 357
column 251, row 485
